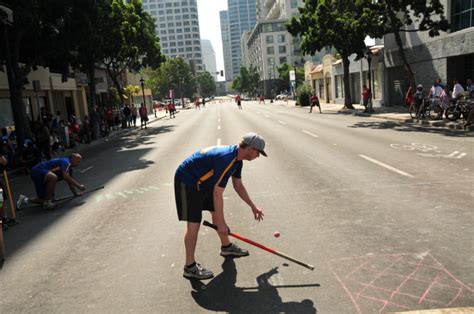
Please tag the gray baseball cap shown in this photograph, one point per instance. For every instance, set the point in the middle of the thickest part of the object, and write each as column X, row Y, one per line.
column 256, row 141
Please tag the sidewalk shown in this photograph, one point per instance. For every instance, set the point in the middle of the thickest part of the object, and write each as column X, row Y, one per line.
column 399, row 114
column 18, row 172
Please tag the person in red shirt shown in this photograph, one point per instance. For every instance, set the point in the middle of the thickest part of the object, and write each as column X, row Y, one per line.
column 365, row 97
column 143, row 116
column 262, row 99
column 238, row 101
column 109, row 117
column 171, row 110
column 314, row 102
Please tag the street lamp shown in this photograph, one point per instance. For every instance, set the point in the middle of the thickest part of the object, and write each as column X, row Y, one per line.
column 142, row 84
column 369, row 76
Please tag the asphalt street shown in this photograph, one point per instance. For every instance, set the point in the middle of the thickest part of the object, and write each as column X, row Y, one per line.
column 383, row 210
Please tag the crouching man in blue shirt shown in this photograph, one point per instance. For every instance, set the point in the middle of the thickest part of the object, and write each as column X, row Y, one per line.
column 199, row 185
column 46, row 174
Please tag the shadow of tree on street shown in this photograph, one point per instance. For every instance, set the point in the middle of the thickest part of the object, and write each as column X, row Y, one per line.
column 221, row 294
column 119, row 154
column 404, row 127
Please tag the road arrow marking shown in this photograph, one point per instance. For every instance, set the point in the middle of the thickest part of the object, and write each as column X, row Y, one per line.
column 403, row 173
column 309, row 133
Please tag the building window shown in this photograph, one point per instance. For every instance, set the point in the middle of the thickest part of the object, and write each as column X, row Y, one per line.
column 283, row 60
column 462, row 14
column 270, row 50
column 282, row 49
column 281, row 38
column 294, row 4
column 269, row 39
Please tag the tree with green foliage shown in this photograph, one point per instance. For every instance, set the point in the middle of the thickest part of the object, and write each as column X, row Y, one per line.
column 237, row 85
column 173, row 74
column 88, row 25
column 131, row 42
column 342, row 24
column 30, row 41
column 207, row 84
column 247, row 82
column 396, row 17
column 283, row 82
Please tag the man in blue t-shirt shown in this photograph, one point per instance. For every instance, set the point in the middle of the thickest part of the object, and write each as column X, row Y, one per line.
column 199, row 185
column 46, row 174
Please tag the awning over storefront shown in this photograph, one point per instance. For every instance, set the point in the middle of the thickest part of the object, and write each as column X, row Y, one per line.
column 317, row 69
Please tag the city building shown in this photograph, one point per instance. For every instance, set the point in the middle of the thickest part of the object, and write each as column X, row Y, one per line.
column 241, row 17
column 269, row 45
column 209, row 58
column 177, row 26
column 225, row 36
column 447, row 57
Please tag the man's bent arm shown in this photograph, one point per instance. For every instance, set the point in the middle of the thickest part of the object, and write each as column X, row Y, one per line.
column 72, row 183
column 242, row 192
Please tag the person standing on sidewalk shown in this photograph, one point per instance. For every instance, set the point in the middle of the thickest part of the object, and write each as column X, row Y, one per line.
column 45, row 175
column 238, row 100
column 127, row 116
column 143, row 116
column 199, row 185
column 134, row 113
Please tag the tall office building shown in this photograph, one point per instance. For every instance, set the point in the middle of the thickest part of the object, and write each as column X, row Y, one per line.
column 225, row 35
column 242, row 16
column 177, row 26
column 209, row 57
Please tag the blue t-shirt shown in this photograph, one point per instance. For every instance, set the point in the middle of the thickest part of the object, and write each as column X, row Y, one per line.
column 210, row 166
column 57, row 165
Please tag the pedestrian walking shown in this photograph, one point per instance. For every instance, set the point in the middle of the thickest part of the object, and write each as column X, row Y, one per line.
column 365, row 97
column 238, row 100
column 419, row 98
column 199, row 185
column 143, row 116
column 133, row 110
column 45, row 175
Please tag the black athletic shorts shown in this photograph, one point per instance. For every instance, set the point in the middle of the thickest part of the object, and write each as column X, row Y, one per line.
column 190, row 203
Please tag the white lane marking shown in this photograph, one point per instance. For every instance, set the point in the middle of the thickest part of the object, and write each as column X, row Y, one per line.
column 219, row 120
column 282, row 122
column 218, row 127
column 218, row 142
column 267, row 116
column 403, row 173
column 309, row 133
column 87, row 169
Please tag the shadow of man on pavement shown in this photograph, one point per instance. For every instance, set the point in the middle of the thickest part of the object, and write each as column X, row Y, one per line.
column 221, row 294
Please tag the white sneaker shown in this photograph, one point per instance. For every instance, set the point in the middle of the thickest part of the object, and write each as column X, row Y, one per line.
column 48, row 204
column 22, row 201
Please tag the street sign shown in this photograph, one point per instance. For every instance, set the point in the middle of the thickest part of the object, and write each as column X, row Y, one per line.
column 292, row 75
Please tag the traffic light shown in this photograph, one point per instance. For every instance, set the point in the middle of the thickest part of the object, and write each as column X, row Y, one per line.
column 222, row 73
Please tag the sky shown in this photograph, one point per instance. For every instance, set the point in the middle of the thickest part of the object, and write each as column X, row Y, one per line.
column 210, row 26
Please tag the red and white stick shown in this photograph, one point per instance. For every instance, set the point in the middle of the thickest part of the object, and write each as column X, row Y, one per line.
column 260, row 246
